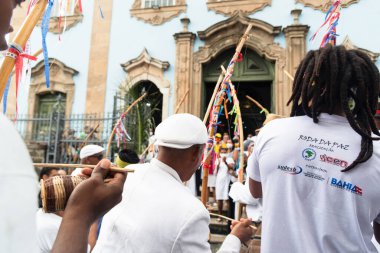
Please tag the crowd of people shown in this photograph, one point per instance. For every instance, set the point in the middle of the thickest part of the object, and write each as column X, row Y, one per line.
column 315, row 173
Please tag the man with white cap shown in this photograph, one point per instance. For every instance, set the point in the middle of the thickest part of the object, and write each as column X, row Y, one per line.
column 89, row 154
column 158, row 213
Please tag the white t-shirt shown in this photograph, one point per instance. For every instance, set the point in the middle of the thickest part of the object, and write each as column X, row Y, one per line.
column 47, row 230
column 309, row 205
column 18, row 193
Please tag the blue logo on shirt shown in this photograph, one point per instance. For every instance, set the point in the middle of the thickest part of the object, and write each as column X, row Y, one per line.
column 290, row 170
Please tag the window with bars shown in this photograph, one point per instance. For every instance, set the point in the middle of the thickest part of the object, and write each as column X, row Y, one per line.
column 157, row 3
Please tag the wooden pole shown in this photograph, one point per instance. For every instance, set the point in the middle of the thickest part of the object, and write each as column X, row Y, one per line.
column 85, row 141
column 215, row 112
column 289, row 75
column 114, row 128
column 63, row 165
column 20, row 40
column 181, row 101
column 258, row 104
column 220, row 79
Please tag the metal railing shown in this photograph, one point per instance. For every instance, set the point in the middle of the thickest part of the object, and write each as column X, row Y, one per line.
column 62, row 134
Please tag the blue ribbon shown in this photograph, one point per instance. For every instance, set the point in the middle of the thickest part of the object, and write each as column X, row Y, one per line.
column 5, row 96
column 44, row 30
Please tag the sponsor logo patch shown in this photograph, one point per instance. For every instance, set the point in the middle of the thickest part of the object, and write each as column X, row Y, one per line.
column 290, row 170
column 346, row 186
column 316, row 168
column 309, row 154
column 335, row 161
column 314, row 176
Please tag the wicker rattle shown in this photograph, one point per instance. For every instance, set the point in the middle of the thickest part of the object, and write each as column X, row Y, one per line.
column 56, row 191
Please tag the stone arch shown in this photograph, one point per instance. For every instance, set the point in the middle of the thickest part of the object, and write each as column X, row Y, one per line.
column 61, row 80
column 146, row 68
column 226, row 34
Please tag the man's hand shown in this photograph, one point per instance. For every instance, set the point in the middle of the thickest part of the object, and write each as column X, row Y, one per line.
column 94, row 197
column 90, row 200
column 242, row 229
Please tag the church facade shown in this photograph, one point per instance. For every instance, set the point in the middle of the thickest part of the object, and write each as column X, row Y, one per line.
column 175, row 49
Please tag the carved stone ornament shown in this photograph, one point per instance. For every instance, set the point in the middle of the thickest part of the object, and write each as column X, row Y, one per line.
column 324, row 5
column 157, row 16
column 61, row 80
column 231, row 7
column 146, row 68
column 347, row 43
column 70, row 21
column 226, row 34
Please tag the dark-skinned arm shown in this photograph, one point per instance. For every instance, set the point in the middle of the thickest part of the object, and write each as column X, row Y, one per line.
column 255, row 188
column 89, row 201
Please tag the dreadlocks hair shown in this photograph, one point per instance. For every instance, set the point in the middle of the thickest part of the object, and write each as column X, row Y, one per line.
column 333, row 79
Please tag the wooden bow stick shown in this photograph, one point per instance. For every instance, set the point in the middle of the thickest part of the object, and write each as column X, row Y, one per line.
column 258, row 104
column 85, row 141
column 215, row 114
column 63, row 165
column 220, row 79
column 20, row 40
column 289, row 75
column 124, row 114
column 228, row 218
column 181, row 101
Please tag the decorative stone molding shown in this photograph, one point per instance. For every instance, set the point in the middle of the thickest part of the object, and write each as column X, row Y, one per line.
column 146, row 68
column 157, row 16
column 71, row 21
column 226, row 34
column 347, row 43
column 324, row 5
column 231, row 7
column 61, row 80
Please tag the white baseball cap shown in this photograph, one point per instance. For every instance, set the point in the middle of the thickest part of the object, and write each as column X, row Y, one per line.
column 181, row 131
column 90, row 150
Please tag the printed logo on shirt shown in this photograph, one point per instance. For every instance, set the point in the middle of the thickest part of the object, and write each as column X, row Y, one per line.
column 316, row 168
column 334, row 161
column 346, row 186
column 314, row 176
column 290, row 170
column 323, row 144
column 309, row 154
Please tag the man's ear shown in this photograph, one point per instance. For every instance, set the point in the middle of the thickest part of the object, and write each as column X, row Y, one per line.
column 44, row 177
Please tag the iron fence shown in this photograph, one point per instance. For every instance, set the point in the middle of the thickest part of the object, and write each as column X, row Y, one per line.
column 62, row 135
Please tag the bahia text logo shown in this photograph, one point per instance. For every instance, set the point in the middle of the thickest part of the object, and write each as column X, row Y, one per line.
column 290, row 170
column 346, row 186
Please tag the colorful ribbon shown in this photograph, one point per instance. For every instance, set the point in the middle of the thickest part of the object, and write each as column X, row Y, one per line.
column 332, row 19
column 44, row 30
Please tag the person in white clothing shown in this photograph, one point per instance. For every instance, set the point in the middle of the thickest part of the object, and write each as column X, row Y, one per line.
column 89, row 154
column 319, row 174
column 158, row 213
column 223, row 179
column 19, row 188
column 47, row 229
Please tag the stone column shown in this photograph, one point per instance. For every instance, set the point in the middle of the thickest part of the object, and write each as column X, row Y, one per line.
column 295, row 36
column 183, row 67
column 98, row 62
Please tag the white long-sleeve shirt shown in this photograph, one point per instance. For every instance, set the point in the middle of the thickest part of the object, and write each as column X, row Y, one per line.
column 158, row 214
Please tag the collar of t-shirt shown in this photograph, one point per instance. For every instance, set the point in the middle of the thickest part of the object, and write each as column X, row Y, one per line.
column 166, row 168
column 332, row 118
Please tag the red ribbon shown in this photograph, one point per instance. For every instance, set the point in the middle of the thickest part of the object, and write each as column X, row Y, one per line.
column 19, row 62
column 240, row 58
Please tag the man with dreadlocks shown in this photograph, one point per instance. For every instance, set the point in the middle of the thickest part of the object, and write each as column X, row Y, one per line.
column 319, row 174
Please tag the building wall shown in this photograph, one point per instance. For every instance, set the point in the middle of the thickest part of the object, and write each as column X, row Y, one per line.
column 129, row 36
